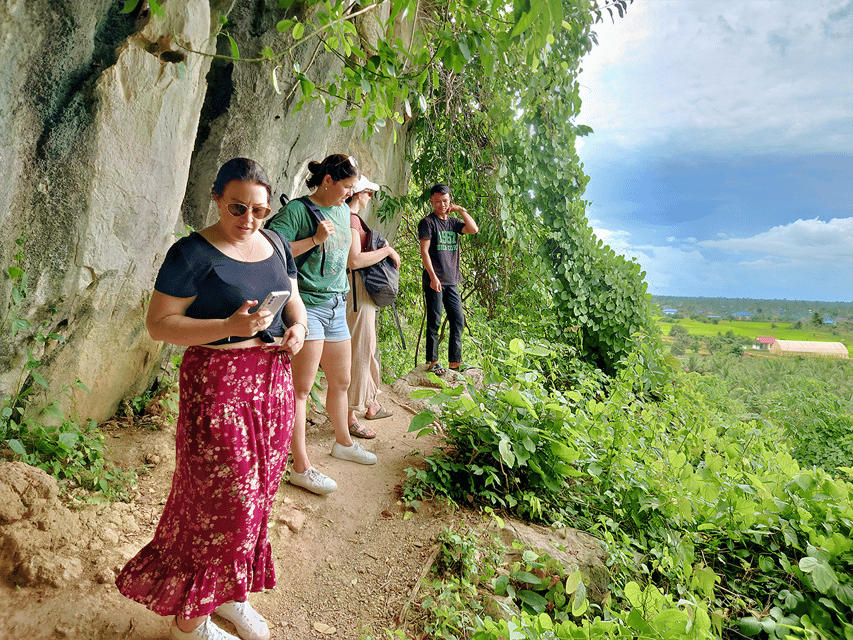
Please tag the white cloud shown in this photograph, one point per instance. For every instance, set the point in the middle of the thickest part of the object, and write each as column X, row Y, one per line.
column 801, row 241
column 717, row 82
column 617, row 240
column 756, row 76
column 670, row 270
column 762, row 263
column 689, row 271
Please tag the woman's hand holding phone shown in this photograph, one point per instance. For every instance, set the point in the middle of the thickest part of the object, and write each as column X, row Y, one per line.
column 244, row 324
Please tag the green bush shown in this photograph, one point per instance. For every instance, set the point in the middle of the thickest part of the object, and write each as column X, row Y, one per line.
column 818, row 424
column 514, row 424
column 692, row 495
column 811, row 399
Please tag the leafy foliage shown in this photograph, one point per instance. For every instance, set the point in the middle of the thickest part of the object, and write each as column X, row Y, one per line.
column 462, row 565
column 811, row 399
column 694, row 502
column 503, row 135
column 473, row 594
column 540, row 584
column 12, row 323
column 395, row 75
column 506, row 443
column 763, row 310
column 489, row 92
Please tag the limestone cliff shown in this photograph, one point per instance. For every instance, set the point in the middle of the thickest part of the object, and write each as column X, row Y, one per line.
column 112, row 127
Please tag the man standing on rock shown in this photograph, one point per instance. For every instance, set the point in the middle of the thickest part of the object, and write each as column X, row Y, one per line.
column 439, row 238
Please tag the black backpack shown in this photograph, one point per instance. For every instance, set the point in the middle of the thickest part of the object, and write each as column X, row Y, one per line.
column 318, row 217
column 381, row 280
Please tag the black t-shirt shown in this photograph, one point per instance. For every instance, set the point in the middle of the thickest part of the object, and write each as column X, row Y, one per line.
column 194, row 267
column 443, row 246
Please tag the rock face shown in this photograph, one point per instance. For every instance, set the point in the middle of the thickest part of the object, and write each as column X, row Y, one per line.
column 112, row 128
column 574, row 549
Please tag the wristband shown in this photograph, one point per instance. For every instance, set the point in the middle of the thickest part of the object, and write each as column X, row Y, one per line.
column 314, row 242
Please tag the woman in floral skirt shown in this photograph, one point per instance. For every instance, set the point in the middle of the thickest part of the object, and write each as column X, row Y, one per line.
column 235, row 420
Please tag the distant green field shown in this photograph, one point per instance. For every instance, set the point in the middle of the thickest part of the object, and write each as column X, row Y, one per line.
column 752, row 330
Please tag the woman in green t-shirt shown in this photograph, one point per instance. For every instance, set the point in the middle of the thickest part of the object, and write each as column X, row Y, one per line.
column 320, row 249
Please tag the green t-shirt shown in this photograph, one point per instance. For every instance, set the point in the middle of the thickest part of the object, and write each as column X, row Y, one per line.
column 295, row 223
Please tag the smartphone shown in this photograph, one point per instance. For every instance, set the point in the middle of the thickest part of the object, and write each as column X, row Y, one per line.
column 275, row 301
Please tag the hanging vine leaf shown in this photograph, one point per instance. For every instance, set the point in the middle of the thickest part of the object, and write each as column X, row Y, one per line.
column 274, row 78
column 235, row 53
column 307, row 87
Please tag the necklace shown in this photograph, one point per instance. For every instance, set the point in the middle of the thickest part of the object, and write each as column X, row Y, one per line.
column 246, row 258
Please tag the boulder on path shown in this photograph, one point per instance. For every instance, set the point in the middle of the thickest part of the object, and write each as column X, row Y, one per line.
column 36, row 540
column 573, row 548
column 418, row 379
column 25, row 491
column 43, row 542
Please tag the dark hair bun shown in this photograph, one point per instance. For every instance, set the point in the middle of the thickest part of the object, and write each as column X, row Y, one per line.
column 337, row 166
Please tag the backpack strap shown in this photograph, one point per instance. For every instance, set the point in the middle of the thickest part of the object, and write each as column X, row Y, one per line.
column 275, row 240
column 352, row 271
column 363, row 223
column 318, row 217
column 353, row 290
column 367, row 231
column 283, row 200
column 312, row 208
column 277, row 245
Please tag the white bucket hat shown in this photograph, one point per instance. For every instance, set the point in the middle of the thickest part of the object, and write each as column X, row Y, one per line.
column 363, row 184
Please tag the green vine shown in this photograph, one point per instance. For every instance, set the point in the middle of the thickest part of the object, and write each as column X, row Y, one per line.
column 18, row 277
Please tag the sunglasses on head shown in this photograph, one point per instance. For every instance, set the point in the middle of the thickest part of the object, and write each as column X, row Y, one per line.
column 238, row 210
column 353, row 162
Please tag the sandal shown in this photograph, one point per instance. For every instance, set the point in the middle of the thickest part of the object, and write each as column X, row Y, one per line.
column 437, row 369
column 360, row 431
column 382, row 413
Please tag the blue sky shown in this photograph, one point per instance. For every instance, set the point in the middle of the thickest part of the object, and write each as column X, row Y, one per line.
column 722, row 152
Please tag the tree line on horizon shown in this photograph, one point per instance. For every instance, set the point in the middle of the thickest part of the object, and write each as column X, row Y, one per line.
column 774, row 310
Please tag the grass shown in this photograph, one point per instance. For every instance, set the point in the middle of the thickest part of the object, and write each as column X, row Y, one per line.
column 751, row 329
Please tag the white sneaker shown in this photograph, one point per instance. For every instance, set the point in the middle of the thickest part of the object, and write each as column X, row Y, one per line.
column 250, row 624
column 312, row 480
column 354, row 453
column 205, row 631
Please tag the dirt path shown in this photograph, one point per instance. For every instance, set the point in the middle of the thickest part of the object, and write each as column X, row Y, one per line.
column 346, row 563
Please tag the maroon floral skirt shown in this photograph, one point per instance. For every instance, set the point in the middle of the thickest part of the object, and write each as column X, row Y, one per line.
column 234, row 429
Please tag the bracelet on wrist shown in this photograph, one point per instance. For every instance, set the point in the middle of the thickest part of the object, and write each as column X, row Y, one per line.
column 315, row 243
column 307, row 333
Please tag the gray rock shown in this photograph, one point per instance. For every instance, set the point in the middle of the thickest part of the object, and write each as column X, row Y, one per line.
column 111, row 133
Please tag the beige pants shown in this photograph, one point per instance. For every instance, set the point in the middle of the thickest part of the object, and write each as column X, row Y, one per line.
column 364, row 374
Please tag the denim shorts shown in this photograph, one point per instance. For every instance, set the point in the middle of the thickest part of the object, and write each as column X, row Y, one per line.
column 329, row 320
